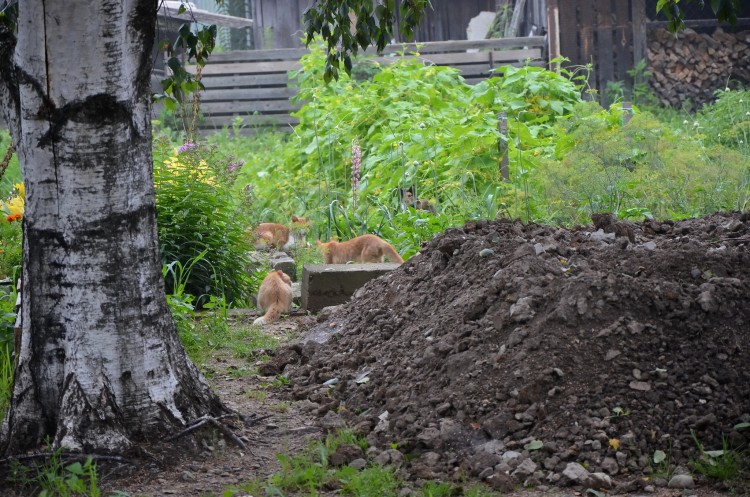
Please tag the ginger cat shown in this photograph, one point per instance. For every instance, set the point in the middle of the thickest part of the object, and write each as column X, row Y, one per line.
column 280, row 236
column 409, row 200
column 274, row 296
column 365, row 248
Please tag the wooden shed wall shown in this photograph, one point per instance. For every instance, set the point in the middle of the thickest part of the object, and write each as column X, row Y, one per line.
column 279, row 24
column 610, row 34
column 448, row 19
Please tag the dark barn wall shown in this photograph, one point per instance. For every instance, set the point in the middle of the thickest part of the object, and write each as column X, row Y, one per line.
column 601, row 32
column 448, row 19
column 279, row 24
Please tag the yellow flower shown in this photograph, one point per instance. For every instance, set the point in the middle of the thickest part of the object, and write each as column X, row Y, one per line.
column 536, row 152
column 21, row 190
column 15, row 206
column 614, row 443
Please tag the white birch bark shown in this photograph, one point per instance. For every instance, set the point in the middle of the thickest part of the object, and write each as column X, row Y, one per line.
column 100, row 366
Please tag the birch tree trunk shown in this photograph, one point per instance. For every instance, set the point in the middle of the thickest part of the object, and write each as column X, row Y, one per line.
column 100, row 366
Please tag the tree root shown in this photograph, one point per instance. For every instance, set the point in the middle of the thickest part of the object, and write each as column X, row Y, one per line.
column 215, row 422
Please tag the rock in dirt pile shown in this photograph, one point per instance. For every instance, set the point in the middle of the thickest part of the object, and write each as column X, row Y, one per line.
column 509, row 351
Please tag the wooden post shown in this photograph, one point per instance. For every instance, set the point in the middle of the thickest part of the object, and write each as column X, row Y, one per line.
column 638, row 15
column 502, row 145
column 553, row 32
column 627, row 112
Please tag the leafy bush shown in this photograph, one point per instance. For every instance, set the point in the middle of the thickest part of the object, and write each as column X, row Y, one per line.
column 415, row 125
column 197, row 213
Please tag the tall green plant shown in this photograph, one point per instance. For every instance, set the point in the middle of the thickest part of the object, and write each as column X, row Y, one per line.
column 197, row 213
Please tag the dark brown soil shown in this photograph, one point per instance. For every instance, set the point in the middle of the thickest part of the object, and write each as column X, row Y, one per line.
column 501, row 336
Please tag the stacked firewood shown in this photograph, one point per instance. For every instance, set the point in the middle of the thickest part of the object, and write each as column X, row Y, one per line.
column 689, row 67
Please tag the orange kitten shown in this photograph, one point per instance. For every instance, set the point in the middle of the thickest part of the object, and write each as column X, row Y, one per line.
column 365, row 248
column 280, row 236
column 274, row 296
column 409, row 200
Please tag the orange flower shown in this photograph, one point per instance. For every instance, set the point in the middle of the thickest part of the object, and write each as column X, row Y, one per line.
column 13, row 217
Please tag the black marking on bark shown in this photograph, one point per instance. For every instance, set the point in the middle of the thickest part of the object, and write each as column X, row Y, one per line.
column 101, row 110
column 8, row 79
column 143, row 22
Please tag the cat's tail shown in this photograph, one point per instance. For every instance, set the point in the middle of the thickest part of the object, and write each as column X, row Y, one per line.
column 272, row 314
column 391, row 254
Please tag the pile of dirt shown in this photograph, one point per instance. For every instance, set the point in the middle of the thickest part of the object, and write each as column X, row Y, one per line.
column 540, row 355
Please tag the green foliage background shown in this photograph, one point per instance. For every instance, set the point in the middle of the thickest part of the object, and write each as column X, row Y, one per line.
column 422, row 126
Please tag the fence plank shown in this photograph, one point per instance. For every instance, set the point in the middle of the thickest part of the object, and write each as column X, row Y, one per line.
column 221, row 94
column 248, row 107
column 249, row 67
column 246, row 80
column 603, row 51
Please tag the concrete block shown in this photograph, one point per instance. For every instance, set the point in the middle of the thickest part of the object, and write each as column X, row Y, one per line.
column 281, row 260
column 334, row 284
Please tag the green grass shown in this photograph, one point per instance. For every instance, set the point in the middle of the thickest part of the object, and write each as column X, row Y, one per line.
column 204, row 338
column 723, row 465
column 6, row 379
column 309, row 474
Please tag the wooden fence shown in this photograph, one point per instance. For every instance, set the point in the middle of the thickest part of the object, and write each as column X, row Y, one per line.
column 256, row 86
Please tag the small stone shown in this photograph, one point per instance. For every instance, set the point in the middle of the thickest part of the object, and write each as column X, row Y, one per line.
column 682, row 482
column 443, row 408
column 551, row 462
column 611, row 354
column 511, row 454
column 501, row 482
column 188, row 476
column 332, row 421
column 430, row 458
column 358, row 464
column 600, row 480
column 609, row 466
column 641, row 386
column 575, row 474
column 601, row 236
column 521, row 311
column 650, row 245
column 406, row 492
column 486, row 252
column 486, row 472
column 345, row 454
column 524, row 470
